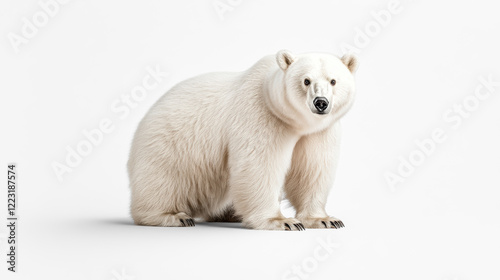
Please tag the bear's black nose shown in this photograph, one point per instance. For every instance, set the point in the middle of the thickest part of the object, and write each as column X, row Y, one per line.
column 320, row 103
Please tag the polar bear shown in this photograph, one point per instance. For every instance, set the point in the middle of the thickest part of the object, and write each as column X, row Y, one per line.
column 227, row 146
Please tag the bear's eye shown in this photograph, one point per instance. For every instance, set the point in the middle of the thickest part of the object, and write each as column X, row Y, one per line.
column 307, row 82
column 333, row 82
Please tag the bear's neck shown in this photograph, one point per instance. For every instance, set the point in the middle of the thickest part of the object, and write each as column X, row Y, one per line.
column 278, row 104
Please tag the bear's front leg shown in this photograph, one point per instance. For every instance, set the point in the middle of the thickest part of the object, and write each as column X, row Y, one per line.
column 311, row 176
column 257, row 176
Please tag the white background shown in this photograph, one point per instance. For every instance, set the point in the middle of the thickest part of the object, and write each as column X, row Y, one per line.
column 441, row 222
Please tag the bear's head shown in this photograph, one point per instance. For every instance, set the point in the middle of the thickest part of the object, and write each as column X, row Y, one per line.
column 316, row 89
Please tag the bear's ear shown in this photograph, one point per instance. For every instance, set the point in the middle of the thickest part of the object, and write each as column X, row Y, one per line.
column 284, row 59
column 351, row 61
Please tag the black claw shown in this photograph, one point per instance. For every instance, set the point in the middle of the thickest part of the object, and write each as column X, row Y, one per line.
column 298, row 226
column 182, row 222
column 191, row 222
column 333, row 224
column 302, row 226
column 288, row 226
column 323, row 222
column 342, row 223
column 337, row 223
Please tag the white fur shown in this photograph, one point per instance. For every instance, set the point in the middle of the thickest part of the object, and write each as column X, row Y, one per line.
column 238, row 140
